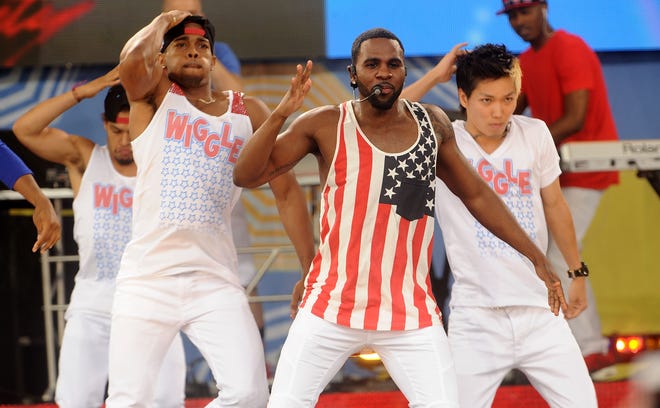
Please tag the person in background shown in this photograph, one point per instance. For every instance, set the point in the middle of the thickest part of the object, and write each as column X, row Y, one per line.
column 499, row 319
column 179, row 271
column 563, row 85
column 18, row 177
column 368, row 286
column 102, row 179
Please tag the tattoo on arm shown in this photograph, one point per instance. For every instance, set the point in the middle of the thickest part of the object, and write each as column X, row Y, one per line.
column 441, row 124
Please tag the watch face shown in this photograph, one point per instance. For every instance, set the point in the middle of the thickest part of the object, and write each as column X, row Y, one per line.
column 583, row 271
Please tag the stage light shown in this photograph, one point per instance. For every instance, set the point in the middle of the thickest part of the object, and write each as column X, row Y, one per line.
column 367, row 358
column 629, row 345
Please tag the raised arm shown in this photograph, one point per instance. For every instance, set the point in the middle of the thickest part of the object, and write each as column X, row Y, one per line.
column 291, row 204
column 139, row 69
column 261, row 159
column 440, row 73
column 55, row 145
column 484, row 204
column 562, row 230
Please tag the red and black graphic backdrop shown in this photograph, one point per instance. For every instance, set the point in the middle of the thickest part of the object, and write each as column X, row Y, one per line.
column 61, row 32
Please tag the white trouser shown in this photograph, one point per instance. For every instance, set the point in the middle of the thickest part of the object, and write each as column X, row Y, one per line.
column 83, row 365
column 488, row 342
column 418, row 361
column 214, row 314
column 586, row 328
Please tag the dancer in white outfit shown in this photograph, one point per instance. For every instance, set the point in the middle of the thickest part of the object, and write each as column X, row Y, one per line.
column 179, row 271
column 499, row 315
column 102, row 179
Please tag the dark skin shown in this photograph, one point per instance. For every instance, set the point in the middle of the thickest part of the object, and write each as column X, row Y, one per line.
column 380, row 62
column 531, row 24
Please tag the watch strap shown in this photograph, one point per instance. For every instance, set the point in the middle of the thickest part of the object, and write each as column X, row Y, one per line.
column 582, row 271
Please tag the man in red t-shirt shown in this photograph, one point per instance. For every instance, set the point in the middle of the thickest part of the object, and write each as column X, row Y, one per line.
column 563, row 85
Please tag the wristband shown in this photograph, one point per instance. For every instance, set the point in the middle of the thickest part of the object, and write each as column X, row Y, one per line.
column 73, row 91
column 582, row 271
column 11, row 166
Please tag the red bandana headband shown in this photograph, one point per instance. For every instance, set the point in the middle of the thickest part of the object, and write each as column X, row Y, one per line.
column 194, row 30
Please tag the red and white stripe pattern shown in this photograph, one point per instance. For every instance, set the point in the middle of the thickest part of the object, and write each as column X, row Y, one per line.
column 372, row 268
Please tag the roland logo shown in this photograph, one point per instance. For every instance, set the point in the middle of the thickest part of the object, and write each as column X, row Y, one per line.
column 641, row 147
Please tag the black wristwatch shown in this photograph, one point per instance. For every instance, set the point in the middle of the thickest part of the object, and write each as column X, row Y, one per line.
column 581, row 271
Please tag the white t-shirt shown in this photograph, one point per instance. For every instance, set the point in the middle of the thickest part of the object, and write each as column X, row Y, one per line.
column 487, row 271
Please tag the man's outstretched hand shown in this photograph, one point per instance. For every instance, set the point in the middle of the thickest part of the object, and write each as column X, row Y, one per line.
column 295, row 96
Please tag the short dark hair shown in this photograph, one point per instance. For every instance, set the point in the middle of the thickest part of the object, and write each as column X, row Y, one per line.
column 368, row 35
column 115, row 102
column 488, row 61
column 179, row 30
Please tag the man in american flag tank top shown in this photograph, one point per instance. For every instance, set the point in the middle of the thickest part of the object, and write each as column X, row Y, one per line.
column 368, row 285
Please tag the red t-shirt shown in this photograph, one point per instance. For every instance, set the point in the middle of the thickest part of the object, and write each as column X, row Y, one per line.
column 563, row 65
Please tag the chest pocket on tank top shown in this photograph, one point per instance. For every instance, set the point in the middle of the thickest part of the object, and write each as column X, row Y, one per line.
column 412, row 199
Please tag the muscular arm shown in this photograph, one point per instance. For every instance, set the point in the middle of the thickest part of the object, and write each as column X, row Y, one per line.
column 290, row 200
column 560, row 224
column 486, row 206
column 139, row 68
column 55, row 145
column 573, row 117
column 289, row 197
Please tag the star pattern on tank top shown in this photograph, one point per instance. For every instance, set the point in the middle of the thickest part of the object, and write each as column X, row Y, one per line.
column 111, row 231
column 409, row 178
column 195, row 189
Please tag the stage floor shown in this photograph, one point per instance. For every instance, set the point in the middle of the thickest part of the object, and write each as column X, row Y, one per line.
column 610, row 395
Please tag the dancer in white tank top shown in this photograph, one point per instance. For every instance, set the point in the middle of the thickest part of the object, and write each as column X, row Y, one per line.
column 103, row 180
column 179, row 271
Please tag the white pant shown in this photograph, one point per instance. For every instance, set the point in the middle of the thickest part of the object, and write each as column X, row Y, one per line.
column 83, row 365
column 586, row 328
column 215, row 314
column 417, row 360
column 488, row 342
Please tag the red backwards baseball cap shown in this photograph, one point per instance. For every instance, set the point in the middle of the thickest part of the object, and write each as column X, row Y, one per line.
column 514, row 4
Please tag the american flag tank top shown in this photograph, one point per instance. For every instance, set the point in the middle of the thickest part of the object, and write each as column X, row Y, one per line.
column 376, row 232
